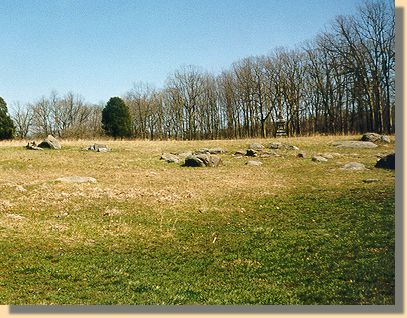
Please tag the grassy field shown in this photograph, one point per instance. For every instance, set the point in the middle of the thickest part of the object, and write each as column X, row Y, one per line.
column 291, row 231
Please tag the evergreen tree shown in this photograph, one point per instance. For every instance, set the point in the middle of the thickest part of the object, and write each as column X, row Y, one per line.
column 7, row 128
column 116, row 119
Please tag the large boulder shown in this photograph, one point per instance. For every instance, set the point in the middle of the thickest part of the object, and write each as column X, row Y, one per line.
column 387, row 162
column 202, row 160
column 354, row 144
column 169, row 157
column 374, row 137
column 370, row 137
column 50, row 142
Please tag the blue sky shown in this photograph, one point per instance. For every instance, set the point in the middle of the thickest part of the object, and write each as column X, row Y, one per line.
column 99, row 48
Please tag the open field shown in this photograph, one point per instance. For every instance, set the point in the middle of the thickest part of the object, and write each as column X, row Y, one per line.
column 291, row 231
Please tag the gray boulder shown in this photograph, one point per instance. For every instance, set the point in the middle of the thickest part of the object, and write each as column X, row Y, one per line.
column 215, row 151
column 374, row 137
column 50, row 142
column 354, row 166
column 256, row 146
column 387, row 162
column 276, row 145
column 169, row 157
column 370, row 137
column 202, row 160
column 354, row 144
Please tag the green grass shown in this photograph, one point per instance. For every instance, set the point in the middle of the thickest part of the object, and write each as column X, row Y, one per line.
column 289, row 232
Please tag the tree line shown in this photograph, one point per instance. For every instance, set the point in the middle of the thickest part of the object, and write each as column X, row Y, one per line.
column 341, row 82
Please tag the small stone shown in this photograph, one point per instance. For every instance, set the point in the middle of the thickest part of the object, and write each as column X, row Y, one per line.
column 302, row 155
column 319, row 159
column 240, row 153
column 370, row 180
column 76, row 179
column 385, row 139
column 254, row 163
column 354, row 166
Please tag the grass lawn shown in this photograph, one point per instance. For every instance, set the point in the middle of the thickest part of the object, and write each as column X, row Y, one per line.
column 291, row 231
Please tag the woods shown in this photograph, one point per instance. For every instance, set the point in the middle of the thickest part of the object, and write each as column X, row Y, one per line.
column 340, row 82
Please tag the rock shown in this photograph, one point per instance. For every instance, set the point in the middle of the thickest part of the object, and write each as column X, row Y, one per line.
column 276, row 145
column 50, row 142
column 326, row 155
column 319, row 159
column 240, row 153
column 215, row 151
column 256, row 146
column 302, row 154
column 183, row 154
column 291, row 147
column 268, row 153
column 201, row 151
column 169, row 157
column 97, row 148
column 202, row 160
column 354, row 144
column 251, row 153
column 354, row 166
column 387, row 162
column 76, row 179
column 370, row 137
column 370, row 180
column 373, row 137
column 33, row 146
column 385, row 139
column 254, row 163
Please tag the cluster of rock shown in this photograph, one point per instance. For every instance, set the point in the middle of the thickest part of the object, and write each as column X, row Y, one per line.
column 50, row 142
column 97, row 148
column 204, row 157
column 367, row 141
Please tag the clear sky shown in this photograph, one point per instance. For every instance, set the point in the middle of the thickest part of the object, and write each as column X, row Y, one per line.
column 99, row 48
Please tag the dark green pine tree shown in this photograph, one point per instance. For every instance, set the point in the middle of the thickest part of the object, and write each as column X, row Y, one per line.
column 116, row 119
column 7, row 128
